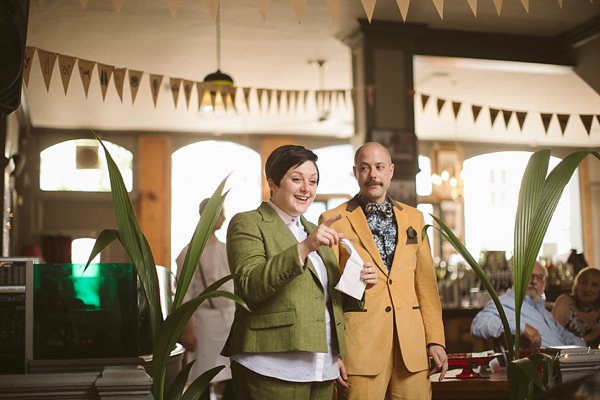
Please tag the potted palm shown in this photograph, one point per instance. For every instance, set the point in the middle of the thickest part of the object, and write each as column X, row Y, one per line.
column 538, row 197
column 164, row 332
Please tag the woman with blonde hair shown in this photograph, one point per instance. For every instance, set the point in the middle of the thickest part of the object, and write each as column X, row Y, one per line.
column 579, row 312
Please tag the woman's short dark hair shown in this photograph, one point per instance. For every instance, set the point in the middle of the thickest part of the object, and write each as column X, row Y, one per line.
column 285, row 157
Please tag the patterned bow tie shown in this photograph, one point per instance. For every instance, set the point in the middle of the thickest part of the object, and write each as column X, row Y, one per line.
column 384, row 208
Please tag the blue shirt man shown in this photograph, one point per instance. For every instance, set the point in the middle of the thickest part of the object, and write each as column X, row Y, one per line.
column 537, row 323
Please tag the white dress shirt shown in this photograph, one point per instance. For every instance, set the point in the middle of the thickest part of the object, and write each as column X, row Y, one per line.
column 298, row 366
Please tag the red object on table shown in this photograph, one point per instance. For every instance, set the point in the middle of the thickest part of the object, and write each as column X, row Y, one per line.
column 468, row 362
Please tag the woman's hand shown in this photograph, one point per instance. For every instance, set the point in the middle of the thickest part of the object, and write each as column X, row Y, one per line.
column 324, row 235
column 341, row 380
column 369, row 275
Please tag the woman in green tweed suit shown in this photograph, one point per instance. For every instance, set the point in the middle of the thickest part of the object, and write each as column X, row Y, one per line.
column 288, row 346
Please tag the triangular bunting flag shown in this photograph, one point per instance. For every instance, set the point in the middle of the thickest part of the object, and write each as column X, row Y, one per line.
column 318, row 99
column 493, row 114
column 369, row 6
column 440, row 104
column 269, row 97
column 135, row 78
column 424, row 100
column 526, row 5
column 42, row 2
column 587, row 122
column 105, row 73
column 563, row 120
column 329, row 98
column 173, row 7
column 213, row 7
column 175, row 85
column 498, row 4
column 299, row 6
column 278, row 94
column 370, row 93
column 232, row 93
column 333, row 6
column 47, row 61
column 27, row 63
column 259, row 95
column 546, row 119
column 224, row 90
column 83, row 3
column 403, row 6
column 263, row 8
column 212, row 89
column 201, row 88
column 246, row 92
column 188, row 86
column 456, row 108
column 247, row 97
column 473, row 5
column 598, row 118
column 118, row 4
column 521, row 115
column 119, row 80
column 304, row 100
column 86, row 68
column 353, row 96
column 476, row 110
column 439, row 6
column 560, row 3
column 288, row 99
column 66, row 65
column 506, row 114
column 342, row 94
column 296, row 100
column 155, row 82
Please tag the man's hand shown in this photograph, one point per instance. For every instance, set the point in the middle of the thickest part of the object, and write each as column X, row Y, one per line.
column 438, row 354
column 533, row 336
column 341, row 380
column 369, row 275
column 324, row 235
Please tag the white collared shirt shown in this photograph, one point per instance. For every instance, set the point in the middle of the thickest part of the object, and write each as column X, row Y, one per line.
column 298, row 366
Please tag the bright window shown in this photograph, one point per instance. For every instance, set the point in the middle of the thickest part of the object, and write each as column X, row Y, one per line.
column 491, row 191
column 80, row 165
column 197, row 171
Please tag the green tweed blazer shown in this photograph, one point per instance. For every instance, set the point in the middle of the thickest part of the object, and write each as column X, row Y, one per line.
column 286, row 298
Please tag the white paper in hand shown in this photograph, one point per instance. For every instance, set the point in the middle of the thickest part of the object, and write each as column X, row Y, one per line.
column 350, row 282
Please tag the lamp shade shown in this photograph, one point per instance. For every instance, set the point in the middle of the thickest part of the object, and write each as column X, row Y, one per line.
column 219, row 78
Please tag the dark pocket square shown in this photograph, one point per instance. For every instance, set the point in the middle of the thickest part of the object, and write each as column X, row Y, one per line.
column 411, row 236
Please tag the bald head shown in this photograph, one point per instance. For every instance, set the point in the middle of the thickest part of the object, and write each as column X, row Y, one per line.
column 372, row 146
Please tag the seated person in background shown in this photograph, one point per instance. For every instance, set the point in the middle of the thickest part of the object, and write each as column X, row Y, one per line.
column 537, row 324
column 579, row 312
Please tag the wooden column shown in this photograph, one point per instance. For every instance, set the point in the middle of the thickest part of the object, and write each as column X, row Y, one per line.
column 267, row 145
column 154, row 202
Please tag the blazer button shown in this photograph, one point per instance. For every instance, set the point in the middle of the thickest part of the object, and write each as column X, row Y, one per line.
column 390, row 281
column 388, row 309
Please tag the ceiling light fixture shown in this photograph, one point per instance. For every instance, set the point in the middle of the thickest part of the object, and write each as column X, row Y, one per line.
column 217, row 97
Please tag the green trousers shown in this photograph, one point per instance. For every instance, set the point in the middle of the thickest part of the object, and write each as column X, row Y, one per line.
column 248, row 385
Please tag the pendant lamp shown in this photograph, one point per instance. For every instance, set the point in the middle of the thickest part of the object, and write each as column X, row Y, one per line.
column 217, row 97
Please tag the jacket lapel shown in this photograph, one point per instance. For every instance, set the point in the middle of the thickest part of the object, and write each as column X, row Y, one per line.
column 309, row 228
column 401, row 223
column 358, row 220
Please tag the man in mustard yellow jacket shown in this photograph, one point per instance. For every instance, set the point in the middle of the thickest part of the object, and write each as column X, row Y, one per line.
column 388, row 346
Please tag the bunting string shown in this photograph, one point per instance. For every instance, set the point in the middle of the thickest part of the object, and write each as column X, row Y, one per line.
column 209, row 93
column 332, row 6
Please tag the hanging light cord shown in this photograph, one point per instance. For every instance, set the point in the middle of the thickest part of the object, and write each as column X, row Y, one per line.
column 218, row 25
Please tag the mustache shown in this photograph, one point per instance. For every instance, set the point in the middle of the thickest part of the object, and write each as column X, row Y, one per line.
column 373, row 182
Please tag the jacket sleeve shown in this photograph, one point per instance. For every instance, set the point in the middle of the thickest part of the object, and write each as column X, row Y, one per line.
column 260, row 276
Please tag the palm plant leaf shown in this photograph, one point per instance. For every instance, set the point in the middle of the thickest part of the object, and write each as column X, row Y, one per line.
column 172, row 328
column 538, row 199
column 106, row 237
column 523, row 373
column 462, row 250
column 133, row 241
column 201, row 383
column 198, row 242
column 178, row 384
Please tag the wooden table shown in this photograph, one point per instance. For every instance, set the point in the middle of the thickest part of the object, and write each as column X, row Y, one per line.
column 490, row 386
